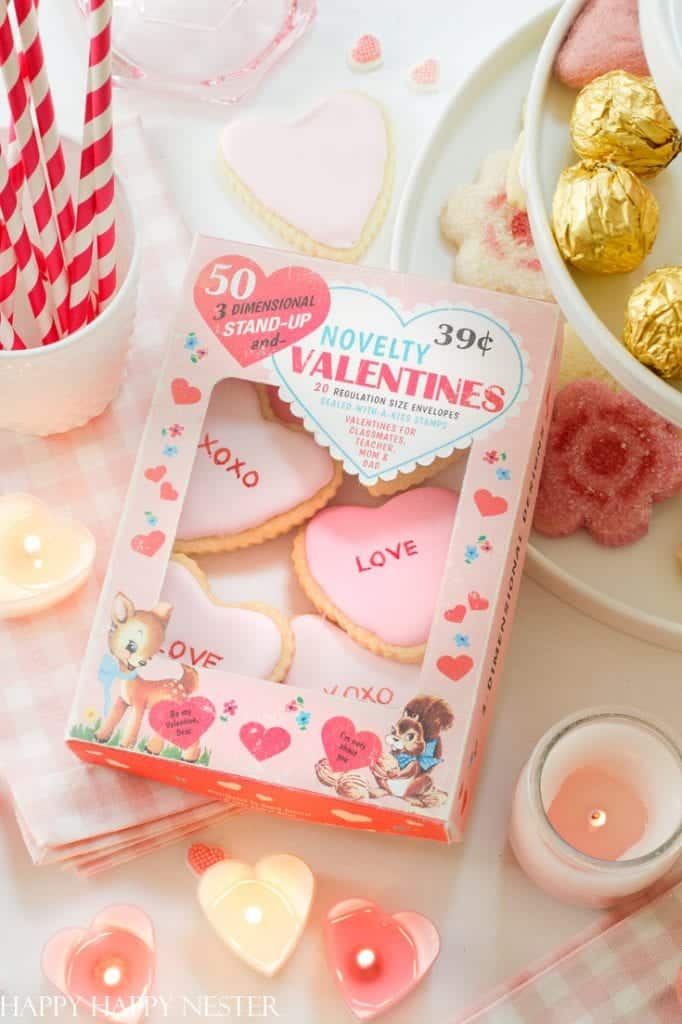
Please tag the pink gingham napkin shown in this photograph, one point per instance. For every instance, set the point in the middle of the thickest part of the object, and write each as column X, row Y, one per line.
column 66, row 810
column 625, row 974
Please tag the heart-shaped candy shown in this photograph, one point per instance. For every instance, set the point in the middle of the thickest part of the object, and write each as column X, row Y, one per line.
column 252, row 479
column 377, row 959
column 250, row 639
column 44, row 556
column 182, row 722
column 357, row 564
column 365, row 54
column 605, row 36
column 264, row 743
column 110, row 965
column 239, row 326
column 347, row 749
column 425, row 76
column 327, row 191
column 201, row 857
column 259, row 911
column 326, row 659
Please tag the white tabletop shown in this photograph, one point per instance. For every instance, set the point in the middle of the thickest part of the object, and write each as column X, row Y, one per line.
column 493, row 921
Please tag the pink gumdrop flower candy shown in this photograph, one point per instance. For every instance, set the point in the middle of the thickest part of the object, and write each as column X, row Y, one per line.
column 609, row 458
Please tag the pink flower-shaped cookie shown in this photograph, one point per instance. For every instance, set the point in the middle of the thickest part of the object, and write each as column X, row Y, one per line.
column 494, row 244
column 609, row 458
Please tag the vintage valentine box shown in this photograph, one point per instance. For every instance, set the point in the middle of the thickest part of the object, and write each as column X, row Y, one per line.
column 312, row 415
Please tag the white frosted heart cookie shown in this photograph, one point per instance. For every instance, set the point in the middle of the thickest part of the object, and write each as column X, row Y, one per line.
column 323, row 180
column 327, row 659
column 250, row 639
column 252, row 479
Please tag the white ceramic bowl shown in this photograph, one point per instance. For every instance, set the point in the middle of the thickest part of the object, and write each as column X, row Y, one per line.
column 51, row 389
column 594, row 304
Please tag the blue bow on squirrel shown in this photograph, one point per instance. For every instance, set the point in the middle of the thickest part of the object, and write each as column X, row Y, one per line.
column 426, row 761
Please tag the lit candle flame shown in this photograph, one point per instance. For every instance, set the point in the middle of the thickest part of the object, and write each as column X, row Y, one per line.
column 598, row 819
column 365, row 959
column 253, row 915
column 112, row 975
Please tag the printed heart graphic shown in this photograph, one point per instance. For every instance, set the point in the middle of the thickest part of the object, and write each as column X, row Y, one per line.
column 182, row 722
column 155, row 473
column 425, row 77
column 259, row 911
column 66, row 557
column 148, row 543
column 168, row 492
column 329, row 206
column 251, row 640
column 309, row 371
column 347, row 749
column 346, row 670
column 455, row 668
column 404, row 947
column 249, row 471
column 201, row 857
column 489, row 504
column 184, row 393
column 456, row 614
column 365, row 53
column 72, row 961
column 476, row 602
column 301, row 296
column 362, row 562
column 264, row 743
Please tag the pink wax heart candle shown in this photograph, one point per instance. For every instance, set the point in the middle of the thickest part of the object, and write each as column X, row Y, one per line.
column 597, row 813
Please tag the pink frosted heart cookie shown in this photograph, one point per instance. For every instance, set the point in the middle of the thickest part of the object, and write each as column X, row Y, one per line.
column 492, row 236
column 604, row 37
column 252, row 479
column 275, row 408
column 365, row 53
column 322, row 181
column 250, row 639
column 609, row 458
column 359, row 567
column 327, row 659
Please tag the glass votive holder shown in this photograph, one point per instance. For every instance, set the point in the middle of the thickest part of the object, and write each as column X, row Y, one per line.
column 597, row 811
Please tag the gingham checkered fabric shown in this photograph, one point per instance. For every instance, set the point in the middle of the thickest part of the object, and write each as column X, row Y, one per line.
column 624, row 975
column 65, row 808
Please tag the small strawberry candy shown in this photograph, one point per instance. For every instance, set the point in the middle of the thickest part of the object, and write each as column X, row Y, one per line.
column 608, row 459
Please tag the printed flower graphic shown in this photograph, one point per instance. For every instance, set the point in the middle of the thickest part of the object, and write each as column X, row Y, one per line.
column 302, row 719
column 492, row 236
column 470, row 554
column 191, row 342
column 491, row 457
column 151, row 518
column 170, row 451
column 485, row 545
column 199, row 354
column 175, row 430
column 295, row 705
column 230, row 708
column 503, row 474
column 90, row 715
column 461, row 640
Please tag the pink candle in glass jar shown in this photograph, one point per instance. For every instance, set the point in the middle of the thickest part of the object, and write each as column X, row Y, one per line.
column 597, row 812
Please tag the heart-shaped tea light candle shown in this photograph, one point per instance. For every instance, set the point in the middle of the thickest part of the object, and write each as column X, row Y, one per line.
column 107, row 969
column 376, row 958
column 44, row 557
column 259, row 911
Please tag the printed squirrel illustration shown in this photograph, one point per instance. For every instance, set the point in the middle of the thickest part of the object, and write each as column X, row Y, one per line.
column 414, row 749
column 135, row 636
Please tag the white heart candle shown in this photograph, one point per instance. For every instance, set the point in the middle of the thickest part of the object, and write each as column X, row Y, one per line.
column 43, row 556
column 597, row 813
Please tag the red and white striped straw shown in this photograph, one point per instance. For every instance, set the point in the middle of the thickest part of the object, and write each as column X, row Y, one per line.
column 50, row 243
column 9, row 339
column 8, row 262
column 95, row 223
column 35, row 72
column 25, row 257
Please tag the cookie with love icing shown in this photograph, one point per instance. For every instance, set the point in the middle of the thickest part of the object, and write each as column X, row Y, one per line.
column 252, row 479
column 250, row 639
column 359, row 565
column 326, row 659
column 321, row 181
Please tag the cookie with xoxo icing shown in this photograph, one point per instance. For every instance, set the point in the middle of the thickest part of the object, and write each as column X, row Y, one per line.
column 252, row 479
column 359, row 565
column 321, row 181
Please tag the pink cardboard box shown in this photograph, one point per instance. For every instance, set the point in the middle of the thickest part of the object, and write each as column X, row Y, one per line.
column 388, row 372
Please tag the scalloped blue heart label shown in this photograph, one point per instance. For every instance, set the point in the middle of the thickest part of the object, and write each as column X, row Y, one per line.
column 386, row 391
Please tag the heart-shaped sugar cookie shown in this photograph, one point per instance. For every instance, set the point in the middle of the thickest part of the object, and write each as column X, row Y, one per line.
column 110, row 965
column 327, row 659
column 365, row 54
column 44, row 557
column 358, row 564
column 259, row 911
column 377, row 959
column 252, row 479
column 425, row 76
column 250, row 639
column 321, row 181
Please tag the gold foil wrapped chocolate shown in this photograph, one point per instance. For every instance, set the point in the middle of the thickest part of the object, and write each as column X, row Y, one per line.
column 619, row 118
column 653, row 322
column 604, row 218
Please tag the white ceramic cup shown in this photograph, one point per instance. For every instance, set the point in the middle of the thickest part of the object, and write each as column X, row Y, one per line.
column 52, row 388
